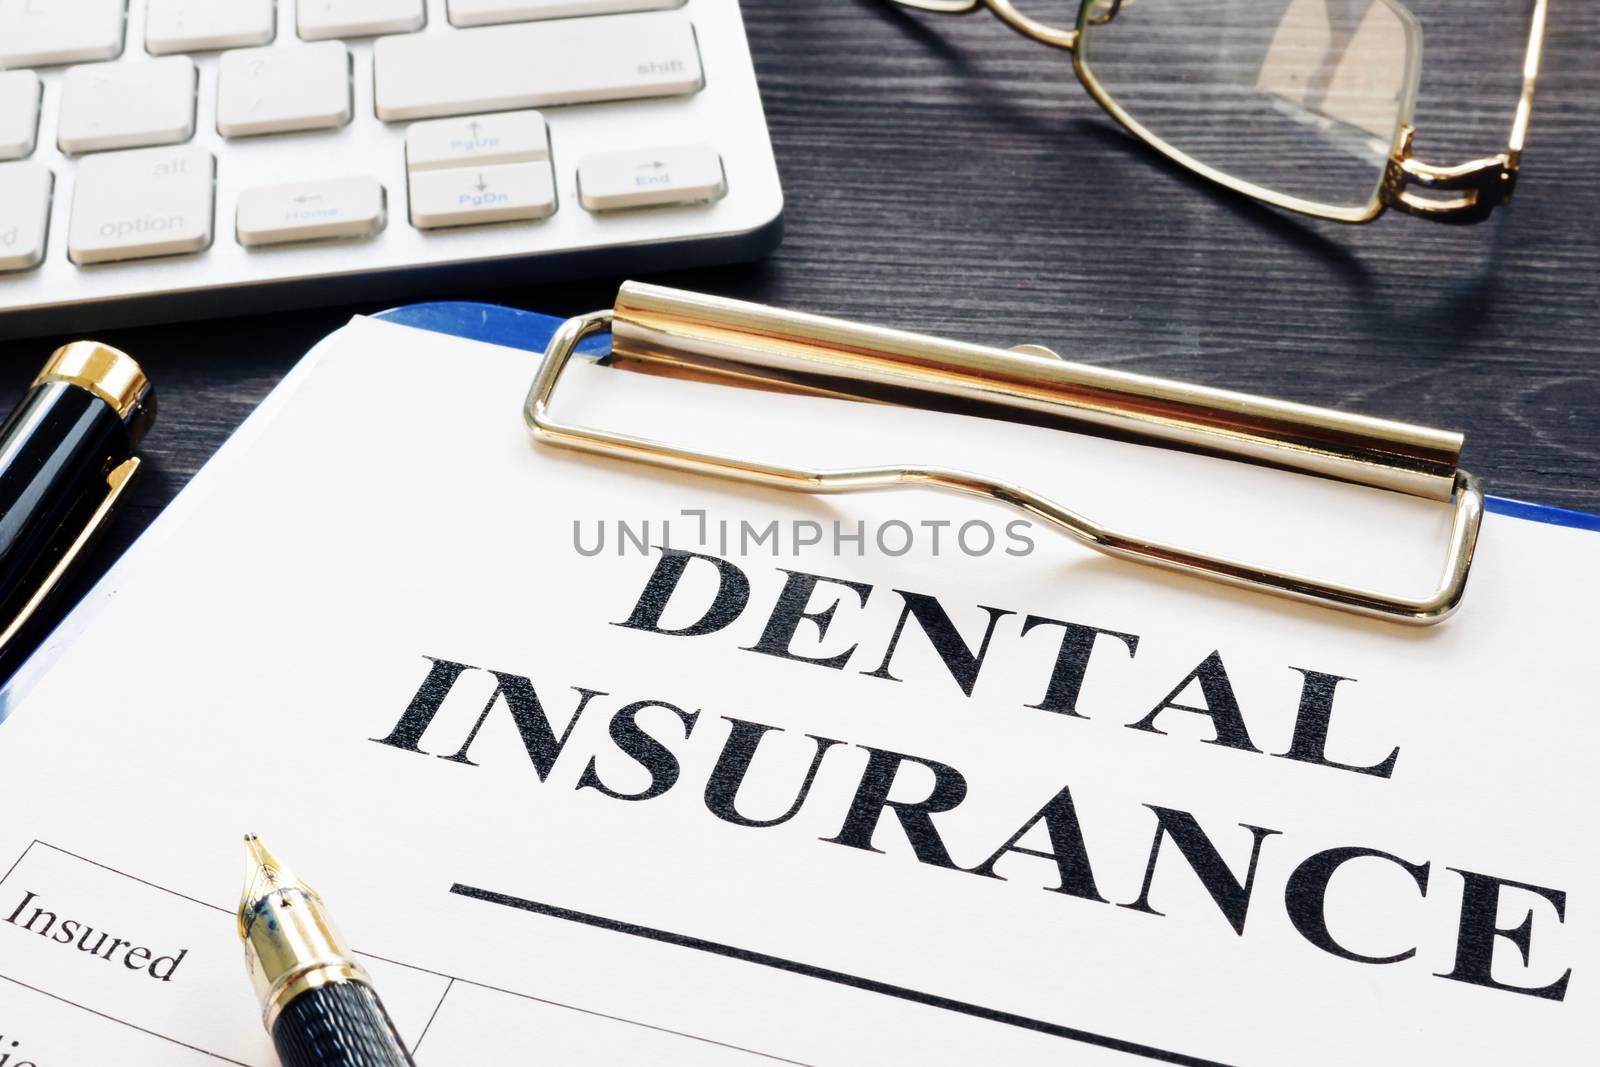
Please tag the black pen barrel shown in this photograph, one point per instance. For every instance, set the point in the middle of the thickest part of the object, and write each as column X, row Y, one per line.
column 338, row 1025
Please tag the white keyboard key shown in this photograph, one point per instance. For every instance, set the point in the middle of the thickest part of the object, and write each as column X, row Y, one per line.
column 43, row 33
column 141, row 203
column 489, row 12
column 502, row 193
column 684, row 174
column 321, row 19
column 309, row 211
column 477, row 140
column 276, row 90
column 19, row 113
column 127, row 105
column 24, row 214
column 207, row 25
column 533, row 64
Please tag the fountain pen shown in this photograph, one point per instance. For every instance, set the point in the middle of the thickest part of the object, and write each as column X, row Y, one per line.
column 317, row 1002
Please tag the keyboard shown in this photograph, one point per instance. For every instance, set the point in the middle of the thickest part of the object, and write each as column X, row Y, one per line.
column 170, row 159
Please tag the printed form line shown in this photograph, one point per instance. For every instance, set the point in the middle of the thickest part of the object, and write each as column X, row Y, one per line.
column 429, row 1026
column 124, row 1022
column 825, row 974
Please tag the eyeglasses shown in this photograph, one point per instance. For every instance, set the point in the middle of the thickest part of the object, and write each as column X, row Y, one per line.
column 1303, row 104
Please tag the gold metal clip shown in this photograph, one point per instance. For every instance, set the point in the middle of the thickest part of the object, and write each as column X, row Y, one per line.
column 711, row 338
column 117, row 482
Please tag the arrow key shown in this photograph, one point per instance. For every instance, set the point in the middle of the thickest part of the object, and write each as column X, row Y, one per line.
column 682, row 174
column 477, row 140
column 464, row 196
column 309, row 211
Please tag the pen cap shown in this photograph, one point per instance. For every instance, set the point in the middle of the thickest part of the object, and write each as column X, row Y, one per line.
column 66, row 460
column 111, row 375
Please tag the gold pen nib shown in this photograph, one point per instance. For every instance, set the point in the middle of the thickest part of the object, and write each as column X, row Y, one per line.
column 264, row 874
column 290, row 943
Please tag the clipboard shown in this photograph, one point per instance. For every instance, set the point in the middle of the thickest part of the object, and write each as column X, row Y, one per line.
column 515, row 600
column 665, row 331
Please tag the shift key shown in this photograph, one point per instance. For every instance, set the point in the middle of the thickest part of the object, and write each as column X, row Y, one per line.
column 142, row 203
column 535, row 64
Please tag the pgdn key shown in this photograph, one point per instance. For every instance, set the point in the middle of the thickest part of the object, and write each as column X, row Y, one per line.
column 464, row 196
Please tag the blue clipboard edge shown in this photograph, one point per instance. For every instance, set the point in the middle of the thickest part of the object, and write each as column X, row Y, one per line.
column 530, row 331
column 497, row 325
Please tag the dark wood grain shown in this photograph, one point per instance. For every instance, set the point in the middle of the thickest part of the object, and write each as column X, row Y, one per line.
column 945, row 174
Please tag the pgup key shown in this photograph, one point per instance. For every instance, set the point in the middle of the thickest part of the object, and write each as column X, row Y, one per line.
column 477, row 140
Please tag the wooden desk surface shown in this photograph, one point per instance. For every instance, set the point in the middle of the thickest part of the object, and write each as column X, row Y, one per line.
column 947, row 175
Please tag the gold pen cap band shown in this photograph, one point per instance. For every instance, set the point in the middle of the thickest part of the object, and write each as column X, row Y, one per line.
column 108, row 373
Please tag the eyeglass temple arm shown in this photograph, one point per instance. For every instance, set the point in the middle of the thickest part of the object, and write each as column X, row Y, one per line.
column 1530, row 76
column 1484, row 184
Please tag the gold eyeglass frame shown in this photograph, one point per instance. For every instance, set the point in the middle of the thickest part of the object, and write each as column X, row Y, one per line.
column 1472, row 190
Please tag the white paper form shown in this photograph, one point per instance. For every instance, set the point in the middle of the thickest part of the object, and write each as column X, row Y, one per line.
column 989, row 826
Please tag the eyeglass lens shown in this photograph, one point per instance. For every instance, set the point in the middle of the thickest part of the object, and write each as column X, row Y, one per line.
column 1298, row 97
